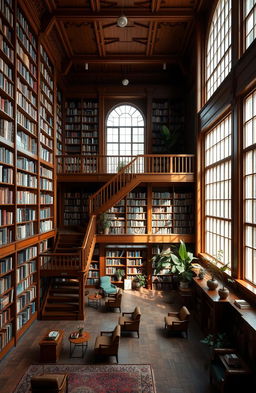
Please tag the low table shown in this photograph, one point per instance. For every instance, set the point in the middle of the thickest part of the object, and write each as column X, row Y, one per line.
column 50, row 349
column 81, row 341
column 94, row 300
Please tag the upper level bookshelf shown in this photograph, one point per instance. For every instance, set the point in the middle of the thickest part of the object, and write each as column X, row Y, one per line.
column 168, row 113
column 59, row 121
column 81, row 126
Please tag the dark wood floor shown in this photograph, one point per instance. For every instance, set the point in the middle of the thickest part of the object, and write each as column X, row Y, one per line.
column 180, row 365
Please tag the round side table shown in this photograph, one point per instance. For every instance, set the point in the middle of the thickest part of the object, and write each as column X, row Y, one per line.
column 94, row 300
column 81, row 341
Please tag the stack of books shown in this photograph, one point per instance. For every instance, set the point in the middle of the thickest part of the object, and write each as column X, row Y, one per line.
column 74, row 335
column 241, row 303
column 232, row 360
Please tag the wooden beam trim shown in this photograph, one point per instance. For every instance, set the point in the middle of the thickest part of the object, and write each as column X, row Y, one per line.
column 120, row 59
column 64, row 39
column 151, row 38
column 168, row 15
column 50, row 4
column 98, row 40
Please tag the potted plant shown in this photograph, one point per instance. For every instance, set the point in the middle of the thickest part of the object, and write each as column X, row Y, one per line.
column 179, row 263
column 119, row 274
column 104, row 223
column 218, row 272
column 139, row 281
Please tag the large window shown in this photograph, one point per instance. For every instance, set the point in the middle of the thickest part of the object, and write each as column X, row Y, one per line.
column 249, row 21
column 218, row 54
column 249, row 173
column 125, row 135
column 218, row 190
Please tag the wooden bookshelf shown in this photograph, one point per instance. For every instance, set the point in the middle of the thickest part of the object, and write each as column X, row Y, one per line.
column 168, row 113
column 94, row 270
column 59, row 117
column 81, row 127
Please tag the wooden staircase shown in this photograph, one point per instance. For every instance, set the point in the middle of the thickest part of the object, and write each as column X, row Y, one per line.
column 68, row 242
column 63, row 300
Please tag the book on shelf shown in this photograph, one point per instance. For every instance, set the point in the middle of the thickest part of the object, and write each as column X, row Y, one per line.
column 241, row 303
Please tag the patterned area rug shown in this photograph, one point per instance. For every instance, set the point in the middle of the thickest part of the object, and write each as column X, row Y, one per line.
column 123, row 378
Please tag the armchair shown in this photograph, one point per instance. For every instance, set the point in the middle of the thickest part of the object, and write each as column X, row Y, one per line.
column 130, row 321
column 108, row 345
column 50, row 383
column 178, row 321
column 106, row 286
column 114, row 302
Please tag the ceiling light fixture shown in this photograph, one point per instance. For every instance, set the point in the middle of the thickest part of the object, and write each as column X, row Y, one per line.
column 164, row 66
column 122, row 21
column 125, row 82
column 86, row 66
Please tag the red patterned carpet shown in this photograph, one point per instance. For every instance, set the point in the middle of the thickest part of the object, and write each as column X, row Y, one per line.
column 123, row 378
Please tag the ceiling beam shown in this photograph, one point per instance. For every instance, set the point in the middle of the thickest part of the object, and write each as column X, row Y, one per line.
column 99, row 38
column 125, row 59
column 95, row 5
column 151, row 38
column 155, row 5
column 166, row 15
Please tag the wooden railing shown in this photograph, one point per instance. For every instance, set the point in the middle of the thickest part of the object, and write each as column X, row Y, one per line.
column 61, row 261
column 158, row 163
column 79, row 261
column 81, row 164
column 142, row 164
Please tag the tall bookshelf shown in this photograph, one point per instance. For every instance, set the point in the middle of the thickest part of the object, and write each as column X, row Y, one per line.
column 59, row 118
column 46, row 142
column 170, row 114
column 81, row 126
column 94, row 270
column 75, row 208
column 7, row 148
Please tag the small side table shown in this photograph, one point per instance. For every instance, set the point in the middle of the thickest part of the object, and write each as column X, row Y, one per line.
column 81, row 341
column 94, row 300
column 50, row 349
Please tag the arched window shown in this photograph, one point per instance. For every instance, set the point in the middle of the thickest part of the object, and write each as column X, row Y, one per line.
column 124, row 135
column 249, row 22
column 218, row 53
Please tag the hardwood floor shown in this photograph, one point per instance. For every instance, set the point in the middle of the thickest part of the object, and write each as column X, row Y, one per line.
column 179, row 364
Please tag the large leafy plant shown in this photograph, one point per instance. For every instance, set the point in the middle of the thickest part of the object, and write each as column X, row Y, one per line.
column 179, row 263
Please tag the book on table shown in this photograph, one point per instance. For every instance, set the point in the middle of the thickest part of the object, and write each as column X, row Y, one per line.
column 74, row 335
column 241, row 303
column 53, row 335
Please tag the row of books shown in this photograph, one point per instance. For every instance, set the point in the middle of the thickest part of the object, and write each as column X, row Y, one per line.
column 5, row 317
column 5, row 283
column 26, row 298
column 25, row 315
column 6, row 235
column 27, row 254
column 6, row 217
column 5, row 335
column 26, row 180
column 25, row 284
column 6, row 174
column 6, row 264
column 25, row 197
column 25, row 270
column 27, row 124
column 26, row 164
column 6, row 106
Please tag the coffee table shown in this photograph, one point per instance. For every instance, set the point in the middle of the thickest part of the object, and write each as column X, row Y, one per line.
column 94, row 300
column 81, row 341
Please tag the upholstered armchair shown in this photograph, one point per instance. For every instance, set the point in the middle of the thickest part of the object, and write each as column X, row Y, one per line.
column 178, row 321
column 50, row 383
column 130, row 321
column 106, row 286
column 107, row 343
column 115, row 302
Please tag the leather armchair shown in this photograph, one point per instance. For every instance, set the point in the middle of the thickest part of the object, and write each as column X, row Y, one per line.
column 178, row 321
column 107, row 343
column 50, row 383
column 115, row 302
column 106, row 286
column 130, row 321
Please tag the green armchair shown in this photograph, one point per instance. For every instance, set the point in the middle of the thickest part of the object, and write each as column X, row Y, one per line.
column 106, row 286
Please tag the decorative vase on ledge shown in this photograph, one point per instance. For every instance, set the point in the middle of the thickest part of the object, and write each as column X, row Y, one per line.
column 223, row 293
column 212, row 284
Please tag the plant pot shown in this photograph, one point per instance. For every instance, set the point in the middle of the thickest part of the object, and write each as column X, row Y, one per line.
column 201, row 276
column 106, row 231
column 223, row 293
column 212, row 284
column 136, row 285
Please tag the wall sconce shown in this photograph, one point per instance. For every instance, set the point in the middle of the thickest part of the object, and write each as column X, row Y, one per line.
column 86, row 66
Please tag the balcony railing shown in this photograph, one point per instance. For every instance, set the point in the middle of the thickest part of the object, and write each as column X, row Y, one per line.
column 157, row 163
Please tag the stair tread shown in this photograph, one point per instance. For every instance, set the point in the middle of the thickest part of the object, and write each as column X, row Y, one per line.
column 63, row 298
column 65, row 290
column 60, row 313
column 69, row 306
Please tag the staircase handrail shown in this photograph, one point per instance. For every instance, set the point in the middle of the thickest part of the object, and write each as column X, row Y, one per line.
column 87, row 242
column 141, row 164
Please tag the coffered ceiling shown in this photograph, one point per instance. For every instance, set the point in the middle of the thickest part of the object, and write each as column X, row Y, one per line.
column 90, row 44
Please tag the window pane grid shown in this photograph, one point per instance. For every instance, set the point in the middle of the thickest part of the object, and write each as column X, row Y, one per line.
column 249, row 187
column 217, row 181
column 125, row 134
column 249, row 22
column 218, row 57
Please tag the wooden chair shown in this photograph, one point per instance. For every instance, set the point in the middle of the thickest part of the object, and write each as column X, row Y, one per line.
column 178, row 321
column 114, row 302
column 130, row 321
column 107, row 343
column 50, row 383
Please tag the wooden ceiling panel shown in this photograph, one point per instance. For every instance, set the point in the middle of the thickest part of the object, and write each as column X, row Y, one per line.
column 81, row 37
column 72, row 3
column 169, row 38
column 178, row 3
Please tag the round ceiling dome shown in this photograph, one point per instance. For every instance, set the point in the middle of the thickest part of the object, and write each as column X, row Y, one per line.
column 122, row 21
